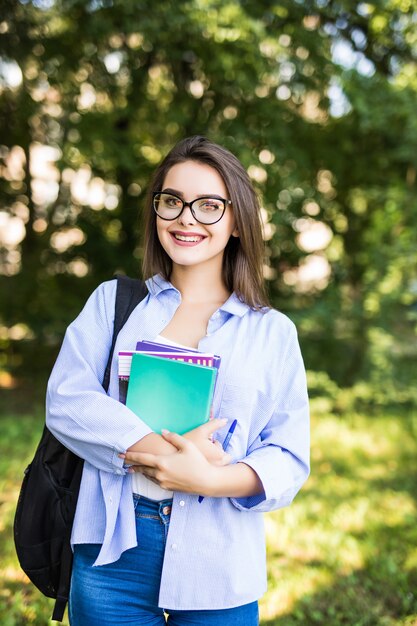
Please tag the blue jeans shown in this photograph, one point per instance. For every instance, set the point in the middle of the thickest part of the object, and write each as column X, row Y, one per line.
column 126, row 592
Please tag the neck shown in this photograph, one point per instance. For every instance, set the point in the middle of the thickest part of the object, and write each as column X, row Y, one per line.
column 199, row 284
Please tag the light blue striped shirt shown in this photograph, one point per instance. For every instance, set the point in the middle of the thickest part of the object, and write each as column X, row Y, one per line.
column 215, row 551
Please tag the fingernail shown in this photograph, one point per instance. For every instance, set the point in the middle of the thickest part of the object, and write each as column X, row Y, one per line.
column 164, row 431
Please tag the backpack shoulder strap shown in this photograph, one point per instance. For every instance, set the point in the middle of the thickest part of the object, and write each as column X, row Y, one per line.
column 129, row 292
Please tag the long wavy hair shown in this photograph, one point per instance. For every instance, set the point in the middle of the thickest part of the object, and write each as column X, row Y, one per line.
column 244, row 255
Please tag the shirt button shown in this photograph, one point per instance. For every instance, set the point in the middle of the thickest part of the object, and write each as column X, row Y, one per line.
column 182, row 502
column 174, row 546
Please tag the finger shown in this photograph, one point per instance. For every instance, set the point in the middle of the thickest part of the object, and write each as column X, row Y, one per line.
column 149, row 472
column 141, row 458
column 133, row 469
column 181, row 443
column 210, row 427
column 152, row 479
column 226, row 459
column 143, row 469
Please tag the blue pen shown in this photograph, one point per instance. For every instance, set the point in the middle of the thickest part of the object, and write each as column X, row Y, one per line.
column 229, row 435
column 225, row 443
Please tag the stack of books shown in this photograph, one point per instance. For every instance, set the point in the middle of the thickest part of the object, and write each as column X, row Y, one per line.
column 168, row 387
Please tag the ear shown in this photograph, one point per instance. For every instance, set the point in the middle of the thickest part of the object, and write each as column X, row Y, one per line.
column 235, row 232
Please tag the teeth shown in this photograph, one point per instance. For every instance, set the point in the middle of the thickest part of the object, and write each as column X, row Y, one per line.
column 184, row 238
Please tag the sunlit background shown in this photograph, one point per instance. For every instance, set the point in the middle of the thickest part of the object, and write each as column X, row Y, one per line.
column 318, row 100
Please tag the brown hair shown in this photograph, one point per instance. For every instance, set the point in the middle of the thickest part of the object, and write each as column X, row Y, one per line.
column 243, row 255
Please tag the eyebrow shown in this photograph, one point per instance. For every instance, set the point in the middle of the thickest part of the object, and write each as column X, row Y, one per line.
column 176, row 192
column 173, row 191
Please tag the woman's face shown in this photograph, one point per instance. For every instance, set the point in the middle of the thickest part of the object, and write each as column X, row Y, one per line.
column 186, row 241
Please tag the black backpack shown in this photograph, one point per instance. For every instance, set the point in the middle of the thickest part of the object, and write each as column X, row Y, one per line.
column 48, row 496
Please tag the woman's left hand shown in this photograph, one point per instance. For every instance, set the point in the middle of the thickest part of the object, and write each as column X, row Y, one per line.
column 202, row 437
column 185, row 470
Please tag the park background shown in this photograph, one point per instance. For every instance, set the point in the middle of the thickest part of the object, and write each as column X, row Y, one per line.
column 318, row 100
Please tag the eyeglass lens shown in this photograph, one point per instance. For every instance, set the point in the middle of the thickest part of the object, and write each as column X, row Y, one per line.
column 206, row 210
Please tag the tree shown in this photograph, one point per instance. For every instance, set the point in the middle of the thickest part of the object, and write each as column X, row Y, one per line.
column 110, row 86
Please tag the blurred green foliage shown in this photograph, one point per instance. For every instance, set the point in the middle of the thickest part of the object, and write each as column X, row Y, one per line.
column 318, row 100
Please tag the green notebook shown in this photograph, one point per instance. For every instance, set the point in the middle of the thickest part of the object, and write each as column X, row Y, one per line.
column 170, row 394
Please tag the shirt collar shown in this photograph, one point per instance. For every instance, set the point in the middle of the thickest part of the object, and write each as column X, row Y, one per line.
column 157, row 284
column 234, row 306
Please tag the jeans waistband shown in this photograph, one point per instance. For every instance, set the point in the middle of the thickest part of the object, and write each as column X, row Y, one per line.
column 155, row 507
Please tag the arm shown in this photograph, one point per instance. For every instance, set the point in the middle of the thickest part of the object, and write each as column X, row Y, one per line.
column 280, row 454
column 79, row 413
column 234, row 481
column 201, row 437
column 188, row 470
column 152, row 443
column 276, row 463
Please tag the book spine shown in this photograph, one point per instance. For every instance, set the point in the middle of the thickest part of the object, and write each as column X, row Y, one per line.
column 125, row 360
column 154, row 346
column 123, row 385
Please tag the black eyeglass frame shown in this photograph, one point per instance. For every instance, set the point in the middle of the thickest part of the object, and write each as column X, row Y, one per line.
column 225, row 201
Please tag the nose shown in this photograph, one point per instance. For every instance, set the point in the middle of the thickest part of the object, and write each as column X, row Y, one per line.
column 186, row 216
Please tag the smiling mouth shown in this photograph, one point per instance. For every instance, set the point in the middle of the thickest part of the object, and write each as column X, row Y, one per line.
column 188, row 238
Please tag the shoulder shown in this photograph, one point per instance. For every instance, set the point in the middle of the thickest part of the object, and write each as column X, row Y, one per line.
column 273, row 322
column 268, row 333
column 99, row 305
column 103, row 295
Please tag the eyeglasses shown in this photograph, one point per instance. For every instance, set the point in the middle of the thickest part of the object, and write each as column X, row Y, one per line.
column 205, row 210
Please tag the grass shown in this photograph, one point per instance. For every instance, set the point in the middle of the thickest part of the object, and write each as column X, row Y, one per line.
column 344, row 553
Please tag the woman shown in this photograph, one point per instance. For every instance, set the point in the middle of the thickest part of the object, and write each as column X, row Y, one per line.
column 199, row 559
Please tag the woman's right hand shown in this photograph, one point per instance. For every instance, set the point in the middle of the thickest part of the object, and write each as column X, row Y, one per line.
column 201, row 437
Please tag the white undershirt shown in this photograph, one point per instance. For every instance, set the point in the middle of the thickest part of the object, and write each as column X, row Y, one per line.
column 140, row 484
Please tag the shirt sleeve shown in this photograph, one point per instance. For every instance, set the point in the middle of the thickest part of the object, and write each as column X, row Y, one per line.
column 79, row 412
column 280, row 453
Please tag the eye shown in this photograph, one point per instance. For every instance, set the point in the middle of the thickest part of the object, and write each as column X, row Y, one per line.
column 210, row 205
column 171, row 202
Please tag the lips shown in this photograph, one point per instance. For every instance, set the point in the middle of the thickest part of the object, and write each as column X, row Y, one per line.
column 187, row 238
